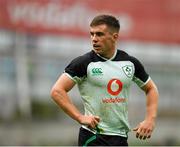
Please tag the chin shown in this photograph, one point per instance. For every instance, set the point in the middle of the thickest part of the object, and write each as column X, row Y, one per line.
column 99, row 51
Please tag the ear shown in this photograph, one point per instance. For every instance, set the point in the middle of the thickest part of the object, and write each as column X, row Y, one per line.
column 115, row 36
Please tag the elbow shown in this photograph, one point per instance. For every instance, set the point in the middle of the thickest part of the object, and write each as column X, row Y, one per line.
column 54, row 93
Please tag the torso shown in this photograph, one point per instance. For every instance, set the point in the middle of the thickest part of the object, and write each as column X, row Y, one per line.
column 104, row 86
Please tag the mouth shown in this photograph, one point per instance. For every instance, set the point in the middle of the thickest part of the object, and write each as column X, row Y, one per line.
column 96, row 46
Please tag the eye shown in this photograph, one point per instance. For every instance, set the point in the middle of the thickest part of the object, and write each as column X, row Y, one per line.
column 99, row 33
column 91, row 33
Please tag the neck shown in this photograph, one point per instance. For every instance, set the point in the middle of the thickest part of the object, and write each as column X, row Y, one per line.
column 108, row 55
column 111, row 52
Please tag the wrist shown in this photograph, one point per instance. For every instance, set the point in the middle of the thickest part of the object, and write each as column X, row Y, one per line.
column 79, row 118
column 151, row 118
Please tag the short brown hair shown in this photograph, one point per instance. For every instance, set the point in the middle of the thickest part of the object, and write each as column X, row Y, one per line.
column 108, row 20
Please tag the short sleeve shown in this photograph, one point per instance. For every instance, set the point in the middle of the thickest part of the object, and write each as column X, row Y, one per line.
column 76, row 69
column 140, row 76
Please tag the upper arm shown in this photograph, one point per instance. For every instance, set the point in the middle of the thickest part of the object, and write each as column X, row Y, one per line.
column 64, row 83
column 150, row 85
column 140, row 77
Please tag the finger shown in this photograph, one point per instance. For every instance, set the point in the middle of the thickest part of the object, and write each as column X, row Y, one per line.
column 97, row 118
column 96, row 122
column 135, row 129
column 144, row 137
column 140, row 136
column 92, row 125
column 89, row 127
column 145, row 134
column 149, row 134
column 139, row 133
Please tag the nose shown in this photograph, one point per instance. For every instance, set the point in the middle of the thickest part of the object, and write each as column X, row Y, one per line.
column 94, row 38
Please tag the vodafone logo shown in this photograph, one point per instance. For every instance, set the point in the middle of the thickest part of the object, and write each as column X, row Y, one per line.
column 114, row 86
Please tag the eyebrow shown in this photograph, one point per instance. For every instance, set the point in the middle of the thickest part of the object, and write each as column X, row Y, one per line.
column 98, row 32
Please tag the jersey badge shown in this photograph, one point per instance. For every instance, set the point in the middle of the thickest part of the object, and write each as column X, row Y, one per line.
column 128, row 70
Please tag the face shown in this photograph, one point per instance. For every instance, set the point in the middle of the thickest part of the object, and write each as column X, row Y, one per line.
column 103, row 40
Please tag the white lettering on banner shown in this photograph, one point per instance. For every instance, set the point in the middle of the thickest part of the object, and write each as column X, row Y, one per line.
column 55, row 15
column 51, row 15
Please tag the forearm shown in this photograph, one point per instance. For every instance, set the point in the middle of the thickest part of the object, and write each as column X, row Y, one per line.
column 63, row 101
column 152, row 103
column 145, row 128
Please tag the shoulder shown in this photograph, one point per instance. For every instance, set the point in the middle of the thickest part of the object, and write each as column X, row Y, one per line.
column 78, row 66
column 86, row 59
column 140, row 75
column 82, row 59
column 124, row 56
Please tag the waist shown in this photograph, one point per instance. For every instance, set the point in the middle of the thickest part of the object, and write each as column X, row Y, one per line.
column 108, row 131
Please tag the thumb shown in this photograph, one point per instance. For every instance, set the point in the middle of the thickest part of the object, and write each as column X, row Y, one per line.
column 97, row 118
column 136, row 128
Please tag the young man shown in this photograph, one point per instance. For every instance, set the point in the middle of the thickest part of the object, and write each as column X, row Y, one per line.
column 103, row 76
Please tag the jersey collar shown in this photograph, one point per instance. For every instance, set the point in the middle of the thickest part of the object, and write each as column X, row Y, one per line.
column 109, row 58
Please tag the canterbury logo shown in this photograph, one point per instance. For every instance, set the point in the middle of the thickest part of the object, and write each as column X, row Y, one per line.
column 97, row 71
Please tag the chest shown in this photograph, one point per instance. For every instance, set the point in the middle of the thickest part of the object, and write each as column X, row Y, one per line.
column 101, row 73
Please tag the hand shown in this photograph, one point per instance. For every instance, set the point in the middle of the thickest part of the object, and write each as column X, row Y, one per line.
column 89, row 120
column 144, row 129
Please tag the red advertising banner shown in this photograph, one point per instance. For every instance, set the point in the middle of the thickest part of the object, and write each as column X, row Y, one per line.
column 145, row 20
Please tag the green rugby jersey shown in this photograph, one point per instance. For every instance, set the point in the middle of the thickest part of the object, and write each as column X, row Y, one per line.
column 104, row 87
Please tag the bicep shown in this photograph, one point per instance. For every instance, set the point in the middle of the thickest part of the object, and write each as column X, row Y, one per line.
column 150, row 85
column 141, row 78
column 64, row 83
